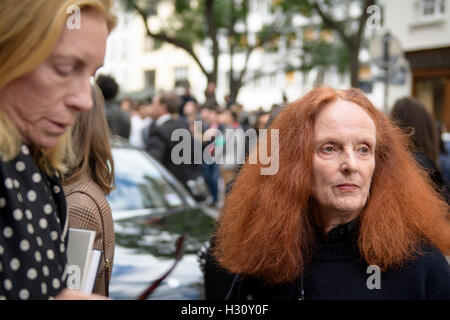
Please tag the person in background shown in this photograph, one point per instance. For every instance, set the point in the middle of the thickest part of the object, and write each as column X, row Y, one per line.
column 152, row 115
column 210, row 95
column 118, row 120
column 412, row 117
column 230, row 155
column 89, row 179
column 190, row 114
column 160, row 144
column 349, row 214
column 45, row 71
column 444, row 153
column 228, row 102
column 185, row 98
column 140, row 119
column 126, row 105
column 210, row 169
column 261, row 121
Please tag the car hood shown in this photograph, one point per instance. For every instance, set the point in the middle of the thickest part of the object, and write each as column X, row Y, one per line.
column 145, row 250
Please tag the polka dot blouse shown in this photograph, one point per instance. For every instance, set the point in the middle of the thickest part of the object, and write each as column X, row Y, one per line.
column 33, row 227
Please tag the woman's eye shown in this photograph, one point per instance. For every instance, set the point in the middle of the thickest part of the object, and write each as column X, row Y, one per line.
column 364, row 150
column 64, row 70
column 328, row 149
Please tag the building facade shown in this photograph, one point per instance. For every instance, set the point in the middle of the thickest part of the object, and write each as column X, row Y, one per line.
column 423, row 29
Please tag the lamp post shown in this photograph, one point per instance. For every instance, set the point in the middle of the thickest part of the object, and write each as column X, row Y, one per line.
column 386, row 53
column 386, row 59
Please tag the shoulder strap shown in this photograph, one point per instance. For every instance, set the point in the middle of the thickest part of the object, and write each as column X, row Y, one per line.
column 107, row 266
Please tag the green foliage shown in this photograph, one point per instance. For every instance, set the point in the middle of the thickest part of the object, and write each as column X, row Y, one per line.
column 189, row 22
column 303, row 7
column 318, row 51
column 325, row 54
column 182, row 5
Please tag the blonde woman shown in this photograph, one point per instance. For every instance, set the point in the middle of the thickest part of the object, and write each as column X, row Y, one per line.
column 90, row 178
column 45, row 70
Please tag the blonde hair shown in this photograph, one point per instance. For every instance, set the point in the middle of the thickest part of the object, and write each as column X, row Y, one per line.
column 29, row 30
column 91, row 150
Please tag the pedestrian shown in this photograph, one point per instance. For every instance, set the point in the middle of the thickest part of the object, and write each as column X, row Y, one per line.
column 126, row 104
column 210, row 95
column 45, row 68
column 348, row 215
column 166, row 120
column 190, row 115
column 185, row 98
column 210, row 168
column 412, row 117
column 231, row 153
column 444, row 153
column 118, row 120
column 139, row 121
column 89, row 179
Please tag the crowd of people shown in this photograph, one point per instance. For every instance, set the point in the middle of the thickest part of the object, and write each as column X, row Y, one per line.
column 136, row 121
column 357, row 191
column 148, row 124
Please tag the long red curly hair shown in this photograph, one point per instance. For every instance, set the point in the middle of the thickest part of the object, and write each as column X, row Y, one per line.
column 266, row 230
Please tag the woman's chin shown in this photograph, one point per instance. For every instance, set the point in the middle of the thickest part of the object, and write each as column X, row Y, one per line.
column 350, row 207
column 45, row 141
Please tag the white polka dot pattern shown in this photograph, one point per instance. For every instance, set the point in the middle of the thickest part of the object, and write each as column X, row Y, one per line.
column 32, row 211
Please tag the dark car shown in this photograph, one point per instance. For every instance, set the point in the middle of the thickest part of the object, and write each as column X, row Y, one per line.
column 151, row 209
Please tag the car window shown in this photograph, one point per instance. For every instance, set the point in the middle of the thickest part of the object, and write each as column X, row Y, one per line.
column 140, row 184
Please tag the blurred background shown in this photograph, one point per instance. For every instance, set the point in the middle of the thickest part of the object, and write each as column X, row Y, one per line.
column 264, row 52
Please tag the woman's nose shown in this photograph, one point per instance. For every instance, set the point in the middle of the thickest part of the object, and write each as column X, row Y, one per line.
column 82, row 96
column 349, row 163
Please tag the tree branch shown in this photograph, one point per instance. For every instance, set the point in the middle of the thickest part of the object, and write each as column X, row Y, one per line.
column 212, row 32
column 362, row 21
column 247, row 58
column 176, row 42
column 332, row 24
column 250, row 49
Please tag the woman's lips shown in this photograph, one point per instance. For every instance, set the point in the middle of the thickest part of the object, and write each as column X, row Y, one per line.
column 57, row 127
column 347, row 187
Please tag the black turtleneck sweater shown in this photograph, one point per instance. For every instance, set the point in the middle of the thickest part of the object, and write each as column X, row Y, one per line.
column 337, row 272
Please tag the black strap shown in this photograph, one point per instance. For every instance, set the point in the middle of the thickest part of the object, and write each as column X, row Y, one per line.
column 235, row 279
column 300, row 291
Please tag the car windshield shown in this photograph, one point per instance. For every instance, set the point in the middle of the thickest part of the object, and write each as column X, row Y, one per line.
column 141, row 183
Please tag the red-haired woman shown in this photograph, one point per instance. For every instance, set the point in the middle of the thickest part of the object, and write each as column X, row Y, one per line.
column 348, row 215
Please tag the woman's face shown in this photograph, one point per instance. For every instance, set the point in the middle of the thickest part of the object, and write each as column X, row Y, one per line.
column 262, row 120
column 344, row 158
column 45, row 102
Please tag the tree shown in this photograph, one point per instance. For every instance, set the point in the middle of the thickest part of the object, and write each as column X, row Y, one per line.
column 206, row 22
column 326, row 51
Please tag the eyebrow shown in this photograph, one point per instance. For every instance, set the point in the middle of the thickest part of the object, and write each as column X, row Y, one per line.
column 333, row 140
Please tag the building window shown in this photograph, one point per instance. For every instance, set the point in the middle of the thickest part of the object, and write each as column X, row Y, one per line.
column 431, row 10
column 149, row 76
column 181, row 76
column 148, row 44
